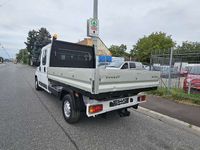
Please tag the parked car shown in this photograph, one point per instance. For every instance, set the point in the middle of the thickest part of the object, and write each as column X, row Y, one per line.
column 192, row 77
column 146, row 67
column 188, row 68
column 165, row 72
column 103, row 64
column 125, row 65
column 181, row 68
column 15, row 61
column 155, row 67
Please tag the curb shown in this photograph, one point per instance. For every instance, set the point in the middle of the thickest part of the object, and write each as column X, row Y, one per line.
column 169, row 120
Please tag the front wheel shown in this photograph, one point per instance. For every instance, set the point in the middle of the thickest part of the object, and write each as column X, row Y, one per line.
column 71, row 112
column 36, row 85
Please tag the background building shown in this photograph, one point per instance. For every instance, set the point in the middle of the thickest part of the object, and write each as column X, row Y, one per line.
column 102, row 49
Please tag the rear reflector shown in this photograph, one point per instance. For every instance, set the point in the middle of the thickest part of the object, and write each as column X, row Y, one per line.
column 95, row 108
column 141, row 98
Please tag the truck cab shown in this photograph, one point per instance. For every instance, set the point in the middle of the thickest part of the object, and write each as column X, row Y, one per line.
column 41, row 78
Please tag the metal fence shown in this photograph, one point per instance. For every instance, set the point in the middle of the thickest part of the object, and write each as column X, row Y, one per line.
column 173, row 77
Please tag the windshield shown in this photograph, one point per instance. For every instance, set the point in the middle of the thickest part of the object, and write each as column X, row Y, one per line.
column 116, row 64
column 195, row 70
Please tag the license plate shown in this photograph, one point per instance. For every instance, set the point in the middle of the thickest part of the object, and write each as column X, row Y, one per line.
column 119, row 102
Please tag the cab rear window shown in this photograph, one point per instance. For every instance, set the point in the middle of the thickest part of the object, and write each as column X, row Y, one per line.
column 65, row 54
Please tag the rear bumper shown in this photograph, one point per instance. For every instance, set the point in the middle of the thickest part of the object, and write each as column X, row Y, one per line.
column 132, row 101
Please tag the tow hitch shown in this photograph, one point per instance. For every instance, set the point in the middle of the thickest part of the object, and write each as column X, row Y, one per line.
column 123, row 112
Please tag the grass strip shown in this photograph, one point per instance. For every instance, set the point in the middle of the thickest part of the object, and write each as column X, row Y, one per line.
column 177, row 94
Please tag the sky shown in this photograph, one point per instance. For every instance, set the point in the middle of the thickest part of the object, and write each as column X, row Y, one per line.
column 121, row 21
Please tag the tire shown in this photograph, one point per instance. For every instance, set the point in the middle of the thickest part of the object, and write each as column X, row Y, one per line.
column 70, row 110
column 36, row 85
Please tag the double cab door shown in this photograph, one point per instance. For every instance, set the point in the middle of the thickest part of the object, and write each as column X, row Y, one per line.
column 42, row 70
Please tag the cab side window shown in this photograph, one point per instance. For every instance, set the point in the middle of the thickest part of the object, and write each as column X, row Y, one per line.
column 125, row 66
column 44, row 57
column 132, row 65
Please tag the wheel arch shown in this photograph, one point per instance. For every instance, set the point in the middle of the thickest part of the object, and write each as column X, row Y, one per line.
column 65, row 92
column 77, row 98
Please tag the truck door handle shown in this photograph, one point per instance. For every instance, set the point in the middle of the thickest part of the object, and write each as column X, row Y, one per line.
column 44, row 69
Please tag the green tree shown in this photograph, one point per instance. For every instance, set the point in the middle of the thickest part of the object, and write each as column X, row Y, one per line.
column 1, row 59
column 119, row 51
column 22, row 56
column 43, row 38
column 31, row 39
column 157, row 42
column 188, row 47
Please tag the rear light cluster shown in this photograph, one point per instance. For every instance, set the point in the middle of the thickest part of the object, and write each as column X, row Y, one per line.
column 95, row 108
column 141, row 98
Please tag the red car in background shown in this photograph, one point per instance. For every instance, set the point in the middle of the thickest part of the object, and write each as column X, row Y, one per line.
column 192, row 77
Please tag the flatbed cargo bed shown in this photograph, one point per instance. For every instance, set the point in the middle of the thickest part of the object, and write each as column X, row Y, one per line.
column 97, row 82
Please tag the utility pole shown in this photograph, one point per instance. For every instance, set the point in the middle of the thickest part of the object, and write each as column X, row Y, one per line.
column 95, row 10
column 95, row 16
column 93, row 26
column 93, row 32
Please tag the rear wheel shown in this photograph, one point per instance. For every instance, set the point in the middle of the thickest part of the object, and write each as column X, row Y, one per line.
column 71, row 111
column 36, row 85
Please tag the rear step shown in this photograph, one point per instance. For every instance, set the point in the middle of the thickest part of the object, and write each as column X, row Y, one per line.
column 56, row 90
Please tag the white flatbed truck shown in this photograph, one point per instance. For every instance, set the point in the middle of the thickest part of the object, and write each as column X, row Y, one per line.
column 69, row 71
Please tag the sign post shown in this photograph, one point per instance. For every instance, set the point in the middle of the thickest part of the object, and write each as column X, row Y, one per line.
column 93, row 26
column 93, row 31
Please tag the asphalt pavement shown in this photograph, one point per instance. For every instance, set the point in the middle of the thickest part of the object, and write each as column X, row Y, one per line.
column 33, row 120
